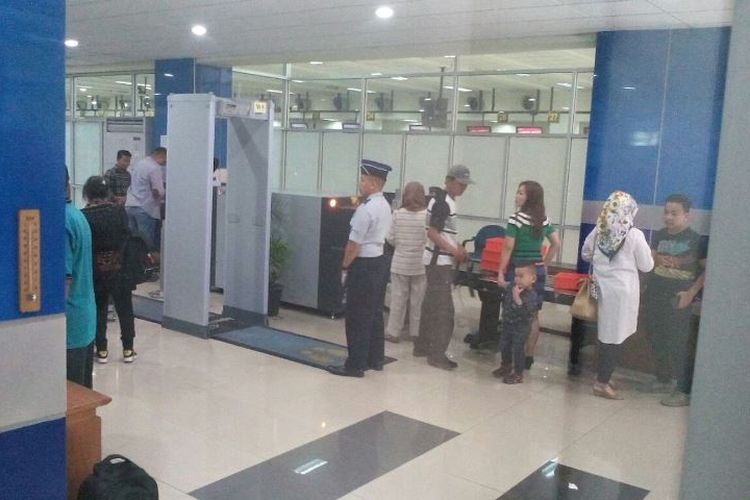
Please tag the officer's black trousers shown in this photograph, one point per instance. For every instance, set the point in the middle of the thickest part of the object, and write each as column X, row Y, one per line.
column 364, row 312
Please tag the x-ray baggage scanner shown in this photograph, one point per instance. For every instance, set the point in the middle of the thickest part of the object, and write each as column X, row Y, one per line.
column 188, row 223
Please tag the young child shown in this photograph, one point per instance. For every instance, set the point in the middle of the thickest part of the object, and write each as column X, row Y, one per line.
column 678, row 275
column 519, row 307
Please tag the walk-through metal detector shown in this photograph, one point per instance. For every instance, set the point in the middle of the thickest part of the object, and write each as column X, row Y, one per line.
column 191, row 123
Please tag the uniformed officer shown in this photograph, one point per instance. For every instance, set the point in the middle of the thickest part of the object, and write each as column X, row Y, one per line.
column 365, row 273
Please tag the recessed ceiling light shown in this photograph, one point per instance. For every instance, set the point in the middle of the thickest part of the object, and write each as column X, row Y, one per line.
column 122, row 82
column 399, row 78
column 450, row 57
column 376, row 74
column 627, row 87
column 274, row 91
column 298, row 81
column 565, row 84
column 520, row 74
column 72, row 43
column 316, row 62
column 169, row 75
column 199, row 30
column 384, row 12
column 83, row 89
column 352, row 89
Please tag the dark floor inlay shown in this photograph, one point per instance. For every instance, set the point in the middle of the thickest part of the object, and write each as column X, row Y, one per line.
column 288, row 345
column 334, row 465
column 555, row 481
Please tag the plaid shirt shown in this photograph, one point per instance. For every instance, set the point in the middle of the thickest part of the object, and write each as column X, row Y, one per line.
column 118, row 181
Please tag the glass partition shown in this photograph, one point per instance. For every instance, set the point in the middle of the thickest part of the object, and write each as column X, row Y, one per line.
column 584, row 87
column 303, row 151
column 504, row 103
column 247, row 86
column 87, row 150
column 541, row 160
column 402, row 104
column 144, row 94
column 386, row 148
column 426, row 159
column 68, row 97
column 325, row 104
column 485, row 157
column 340, row 163
column 100, row 96
column 576, row 178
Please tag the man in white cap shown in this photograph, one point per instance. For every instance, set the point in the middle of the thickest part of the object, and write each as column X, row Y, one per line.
column 364, row 273
column 440, row 256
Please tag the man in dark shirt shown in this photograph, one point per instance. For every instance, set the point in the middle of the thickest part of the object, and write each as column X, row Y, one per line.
column 118, row 177
column 678, row 275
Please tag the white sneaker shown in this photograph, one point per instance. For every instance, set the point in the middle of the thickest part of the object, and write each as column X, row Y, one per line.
column 129, row 355
column 101, row 356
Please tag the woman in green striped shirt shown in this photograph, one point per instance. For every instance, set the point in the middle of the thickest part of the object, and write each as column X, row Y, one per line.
column 524, row 236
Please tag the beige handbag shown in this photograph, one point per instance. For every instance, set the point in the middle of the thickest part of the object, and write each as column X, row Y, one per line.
column 584, row 305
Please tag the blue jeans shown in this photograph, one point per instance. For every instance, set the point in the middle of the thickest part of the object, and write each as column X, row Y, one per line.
column 142, row 224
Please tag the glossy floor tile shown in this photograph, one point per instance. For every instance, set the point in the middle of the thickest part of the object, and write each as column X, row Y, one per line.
column 332, row 466
column 554, row 480
column 192, row 412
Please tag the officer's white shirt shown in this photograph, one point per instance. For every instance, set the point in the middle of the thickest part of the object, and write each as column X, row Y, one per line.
column 370, row 225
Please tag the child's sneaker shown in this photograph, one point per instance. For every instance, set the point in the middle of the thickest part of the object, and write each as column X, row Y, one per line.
column 513, row 378
column 101, row 356
column 129, row 355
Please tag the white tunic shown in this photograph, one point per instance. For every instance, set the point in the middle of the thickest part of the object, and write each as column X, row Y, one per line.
column 619, row 285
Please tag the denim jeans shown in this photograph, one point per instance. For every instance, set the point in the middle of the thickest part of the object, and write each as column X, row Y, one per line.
column 141, row 223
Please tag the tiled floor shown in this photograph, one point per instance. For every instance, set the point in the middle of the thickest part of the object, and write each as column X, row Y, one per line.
column 194, row 411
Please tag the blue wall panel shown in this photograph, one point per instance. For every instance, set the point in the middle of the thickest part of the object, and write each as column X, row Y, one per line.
column 692, row 114
column 218, row 81
column 32, row 155
column 626, row 109
column 181, row 81
column 32, row 462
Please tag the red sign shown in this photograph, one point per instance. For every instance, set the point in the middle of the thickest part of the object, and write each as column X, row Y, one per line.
column 529, row 130
column 478, row 129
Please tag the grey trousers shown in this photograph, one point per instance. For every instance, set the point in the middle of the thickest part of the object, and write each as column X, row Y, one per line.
column 436, row 323
column 407, row 293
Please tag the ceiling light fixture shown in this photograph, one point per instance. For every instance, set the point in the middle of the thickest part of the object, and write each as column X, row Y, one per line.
column 169, row 75
column 450, row 57
column 399, row 78
column 71, row 42
column 274, row 91
column 199, row 30
column 384, row 12
column 83, row 89
column 298, row 81
column 627, row 87
column 523, row 75
column 316, row 62
column 353, row 89
column 122, row 82
column 376, row 74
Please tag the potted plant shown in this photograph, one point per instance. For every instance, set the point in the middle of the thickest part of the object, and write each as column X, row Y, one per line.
column 278, row 257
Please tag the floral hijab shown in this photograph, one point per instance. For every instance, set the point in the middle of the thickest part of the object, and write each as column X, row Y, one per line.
column 615, row 220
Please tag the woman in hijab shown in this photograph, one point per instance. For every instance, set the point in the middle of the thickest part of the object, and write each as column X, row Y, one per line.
column 617, row 250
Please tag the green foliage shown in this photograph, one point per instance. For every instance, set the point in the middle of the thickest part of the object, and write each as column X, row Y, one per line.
column 279, row 251
column 279, row 256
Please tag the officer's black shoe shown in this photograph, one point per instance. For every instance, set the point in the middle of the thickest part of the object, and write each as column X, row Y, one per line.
column 345, row 372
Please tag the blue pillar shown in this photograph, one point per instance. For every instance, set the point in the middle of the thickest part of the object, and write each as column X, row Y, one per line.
column 32, row 346
column 184, row 76
column 217, row 81
column 655, row 120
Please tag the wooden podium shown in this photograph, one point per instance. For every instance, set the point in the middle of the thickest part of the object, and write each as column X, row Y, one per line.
column 83, row 433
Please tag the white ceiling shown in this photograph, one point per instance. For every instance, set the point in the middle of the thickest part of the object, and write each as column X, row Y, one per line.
column 115, row 32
